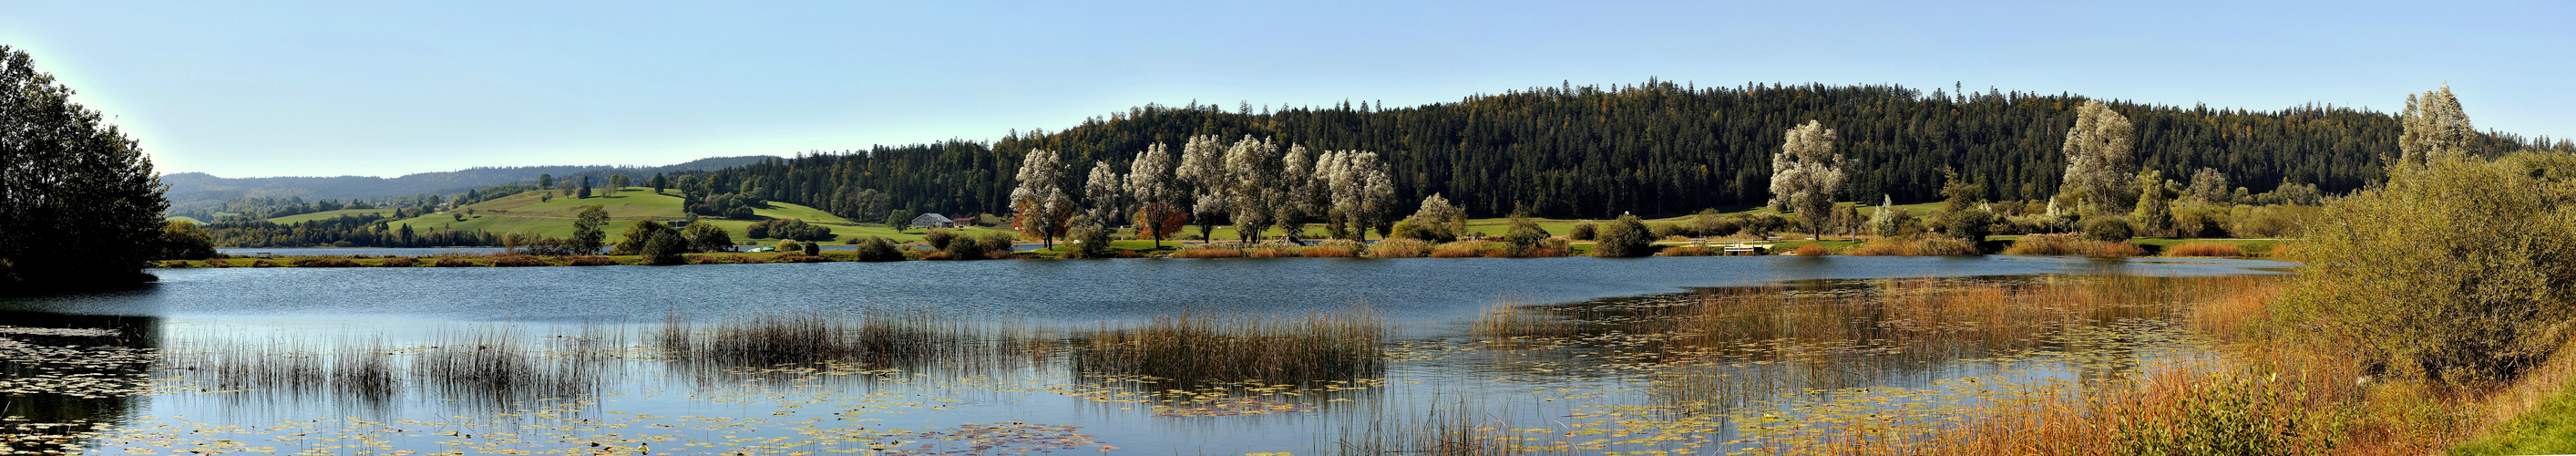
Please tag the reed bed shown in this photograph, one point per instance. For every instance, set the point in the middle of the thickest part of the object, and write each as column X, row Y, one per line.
column 395, row 262
column 1399, row 248
column 1811, row 250
column 2070, row 244
column 590, row 260
column 324, row 263
column 1271, row 251
column 1190, row 350
column 1690, row 250
column 1208, row 251
column 2206, row 249
column 1460, row 249
column 1921, row 246
column 738, row 345
column 800, row 259
column 496, row 366
column 519, row 261
column 1336, row 248
column 452, row 262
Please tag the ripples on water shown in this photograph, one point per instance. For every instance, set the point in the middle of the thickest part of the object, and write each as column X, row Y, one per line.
column 859, row 356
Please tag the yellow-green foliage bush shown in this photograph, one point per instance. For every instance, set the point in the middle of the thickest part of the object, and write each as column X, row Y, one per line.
column 1811, row 250
column 1460, row 249
column 2458, row 270
column 2206, row 249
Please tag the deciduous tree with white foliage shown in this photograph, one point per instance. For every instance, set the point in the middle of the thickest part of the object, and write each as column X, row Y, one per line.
column 1041, row 207
column 1105, row 193
column 1806, row 174
column 1161, row 205
column 1252, row 186
column 2100, row 160
column 2435, row 127
column 1202, row 173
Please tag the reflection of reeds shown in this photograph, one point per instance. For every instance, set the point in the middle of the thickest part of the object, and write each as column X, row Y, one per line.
column 1443, row 430
column 1194, row 349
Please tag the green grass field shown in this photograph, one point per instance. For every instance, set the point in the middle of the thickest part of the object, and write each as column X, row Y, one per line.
column 186, row 219
column 291, row 219
column 526, row 213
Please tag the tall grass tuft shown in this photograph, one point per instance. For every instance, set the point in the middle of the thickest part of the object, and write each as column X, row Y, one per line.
column 1271, row 250
column 1191, row 350
column 395, row 262
column 1690, row 250
column 2206, row 249
column 445, row 261
column 1811, row 250
column 518, row 261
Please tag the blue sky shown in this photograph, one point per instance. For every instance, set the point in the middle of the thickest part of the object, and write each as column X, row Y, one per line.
column 379, row 88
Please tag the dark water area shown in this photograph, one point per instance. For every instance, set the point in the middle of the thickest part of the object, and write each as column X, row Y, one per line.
column 1008, row 355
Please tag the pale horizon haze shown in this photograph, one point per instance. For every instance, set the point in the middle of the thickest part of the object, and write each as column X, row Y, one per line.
column 260, row 89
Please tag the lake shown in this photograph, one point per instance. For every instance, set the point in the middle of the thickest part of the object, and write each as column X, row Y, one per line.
column 1060, row 355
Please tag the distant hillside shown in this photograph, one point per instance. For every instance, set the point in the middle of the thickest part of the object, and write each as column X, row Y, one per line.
column 190, row 191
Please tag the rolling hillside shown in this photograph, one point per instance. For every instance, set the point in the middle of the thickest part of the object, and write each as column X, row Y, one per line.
column 530, row 213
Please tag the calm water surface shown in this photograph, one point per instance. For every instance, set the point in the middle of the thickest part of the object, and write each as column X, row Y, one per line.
column 214, row 342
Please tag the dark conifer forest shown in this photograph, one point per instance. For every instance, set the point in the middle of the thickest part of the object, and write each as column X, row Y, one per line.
column 1653, row 148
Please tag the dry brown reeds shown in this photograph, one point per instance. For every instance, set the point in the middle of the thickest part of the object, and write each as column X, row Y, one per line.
column 871, row 342
column 452, row 262
column 2283, row 253
column 744, row 259
column 1210, row 250
column 324, row 263
column 395, row 262
column 2206, row 249
column 2071, row 244
column 1460, row 249
column 1920, row 246
column 590, row 260
column 519, row 261
column 1399, row 248
column 175, row 264
column 1190, row 350
column 935, row 255
column 1811, row 250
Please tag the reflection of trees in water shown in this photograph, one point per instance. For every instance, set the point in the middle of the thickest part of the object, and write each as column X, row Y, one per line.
column 63, row 375
column 1718, row 348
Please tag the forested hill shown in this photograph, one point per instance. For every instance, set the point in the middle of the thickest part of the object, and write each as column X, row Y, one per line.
column 1653, row 148
column 193, row 191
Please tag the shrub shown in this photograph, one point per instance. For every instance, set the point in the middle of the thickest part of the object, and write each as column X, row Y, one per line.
column 1337, row 248
column 1399, row 248
column 1523, row 235
column 1460, row 249
column 396, row 262
column 452, row 262
column 2453, row 271
column 262, row 264
column 1625, row 237
column 2206, row 249
column 1811, row 250
column 325, row 263
column 2112, row 229
column 1548, row 248
column 1208, row 250
column 1667, row 230
column 788, row 229
column 878, row 249
column 518, row 261
column 591, row 260
column 938, row 238
column 175, row 264
column 1582, row 231
column 1088, row 242
column 790, row 246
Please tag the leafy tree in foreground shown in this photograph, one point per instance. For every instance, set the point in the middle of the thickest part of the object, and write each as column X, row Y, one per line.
column 878, row 249
column 184, row 240
column 639, row 236
column 665, row 247
column 706, row 237
column 79, row 203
